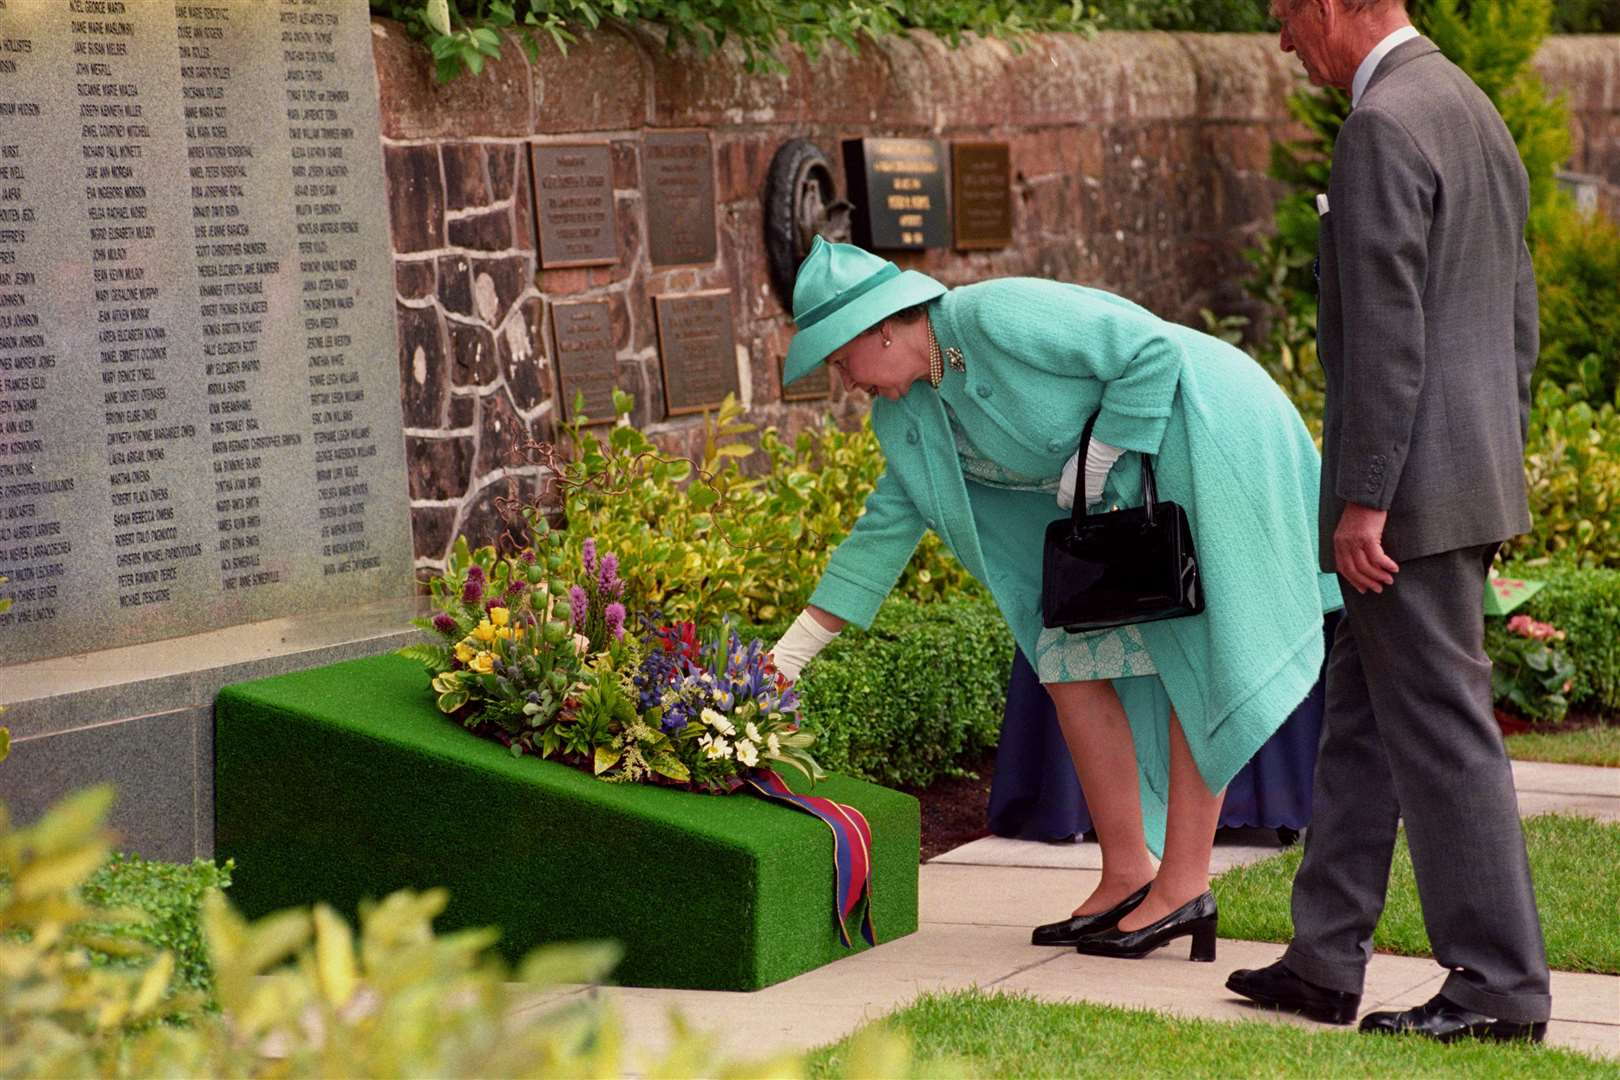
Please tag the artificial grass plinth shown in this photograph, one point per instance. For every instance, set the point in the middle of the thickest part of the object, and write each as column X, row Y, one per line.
column 345, row 782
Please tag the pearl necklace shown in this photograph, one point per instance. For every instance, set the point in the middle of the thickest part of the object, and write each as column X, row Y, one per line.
column 936, row 363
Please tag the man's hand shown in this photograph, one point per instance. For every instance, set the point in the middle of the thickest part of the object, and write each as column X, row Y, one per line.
column 1358, row 549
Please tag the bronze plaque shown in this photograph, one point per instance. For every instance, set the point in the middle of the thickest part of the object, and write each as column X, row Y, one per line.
column 898, row 188
column 677, row 169
column 573, row 202
column 586, row 360
column 981, row 194
column 697, row 349
column 811, row 387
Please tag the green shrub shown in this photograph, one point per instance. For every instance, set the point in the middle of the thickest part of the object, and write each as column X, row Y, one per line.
column 1586, row 17
column 169, row 896
column 919, row 696
column 1577, row 258
column 462, row 34
column 1206, row 16
column 1572, row 469
column 1531, row 671
column 704, row 540
column 1585, row 605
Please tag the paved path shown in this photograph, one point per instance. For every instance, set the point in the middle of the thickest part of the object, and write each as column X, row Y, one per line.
column 978, row 903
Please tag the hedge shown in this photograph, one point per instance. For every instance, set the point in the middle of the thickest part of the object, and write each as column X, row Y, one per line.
column 1585, row 604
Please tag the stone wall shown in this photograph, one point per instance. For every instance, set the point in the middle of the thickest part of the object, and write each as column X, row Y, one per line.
column 1138, row 165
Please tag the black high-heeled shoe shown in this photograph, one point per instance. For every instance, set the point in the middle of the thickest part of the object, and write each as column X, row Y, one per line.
column 1069, row 931
column 1197, row 917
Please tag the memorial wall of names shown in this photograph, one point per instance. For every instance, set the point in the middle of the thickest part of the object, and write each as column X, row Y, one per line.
column 199, row 404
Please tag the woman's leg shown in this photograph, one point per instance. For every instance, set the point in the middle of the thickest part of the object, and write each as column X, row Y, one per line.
column 1189, row 834
column 1099, row 739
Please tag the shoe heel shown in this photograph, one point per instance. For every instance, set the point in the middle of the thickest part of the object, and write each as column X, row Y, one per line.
column 1203, row 942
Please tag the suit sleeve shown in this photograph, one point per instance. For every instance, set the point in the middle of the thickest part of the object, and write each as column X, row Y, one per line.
column 1383, row 201
column 1083, row 333
column 1526, row 335
column 863, row 569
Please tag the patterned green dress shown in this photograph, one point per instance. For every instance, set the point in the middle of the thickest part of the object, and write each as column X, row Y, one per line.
column 1060, row 656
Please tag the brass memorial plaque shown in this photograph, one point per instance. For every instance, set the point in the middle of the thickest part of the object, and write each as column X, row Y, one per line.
column 586, row 360
column 811, row 387
column 677, row 169
column 573, row 202
column 981, row 194
column 898, row 188
column 697, row 349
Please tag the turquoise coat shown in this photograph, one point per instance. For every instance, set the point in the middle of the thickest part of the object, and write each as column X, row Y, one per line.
column 1042, row 356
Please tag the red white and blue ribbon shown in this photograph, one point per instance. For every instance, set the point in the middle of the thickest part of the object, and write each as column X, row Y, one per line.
column 852, row 849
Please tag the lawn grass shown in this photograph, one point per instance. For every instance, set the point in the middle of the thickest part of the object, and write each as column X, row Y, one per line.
column 972, row 1033
column 1598, row 745
column 1572, row 860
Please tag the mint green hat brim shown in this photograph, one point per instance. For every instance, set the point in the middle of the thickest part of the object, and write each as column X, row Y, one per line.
column 814, row 344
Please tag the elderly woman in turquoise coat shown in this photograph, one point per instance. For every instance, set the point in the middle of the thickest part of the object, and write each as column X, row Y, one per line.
column 979, row 397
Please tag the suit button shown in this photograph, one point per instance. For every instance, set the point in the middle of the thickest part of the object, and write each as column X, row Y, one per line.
column 1054, row 446
column 983, row 391
column 929, row 522
column 912, row 437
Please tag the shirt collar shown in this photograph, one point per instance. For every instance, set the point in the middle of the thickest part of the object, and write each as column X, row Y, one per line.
column 1369, row 64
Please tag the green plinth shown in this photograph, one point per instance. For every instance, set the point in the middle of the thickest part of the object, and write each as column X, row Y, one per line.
column 345, row 782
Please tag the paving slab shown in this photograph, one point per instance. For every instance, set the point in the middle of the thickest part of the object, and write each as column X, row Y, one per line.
column 1025, row 896
column 1561, row 779
column 1003, row 851
column 1600, row 807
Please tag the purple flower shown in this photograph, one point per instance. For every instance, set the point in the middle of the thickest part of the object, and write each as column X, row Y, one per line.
column 607, row 581
column 475, row 573
column 444, row 624
column 578, row 604
column 473, row 591
column 588, row 554
column 614, row 615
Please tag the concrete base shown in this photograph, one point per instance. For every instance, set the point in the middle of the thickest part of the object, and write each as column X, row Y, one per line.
column 141, row 717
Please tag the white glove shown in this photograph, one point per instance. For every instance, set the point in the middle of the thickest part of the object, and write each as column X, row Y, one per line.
column 1098, row 463
column 799, row 645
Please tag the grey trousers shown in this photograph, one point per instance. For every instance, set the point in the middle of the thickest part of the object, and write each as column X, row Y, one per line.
column 1409, row 734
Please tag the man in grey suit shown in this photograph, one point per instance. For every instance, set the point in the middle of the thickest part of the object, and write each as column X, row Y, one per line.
column 1427, row 332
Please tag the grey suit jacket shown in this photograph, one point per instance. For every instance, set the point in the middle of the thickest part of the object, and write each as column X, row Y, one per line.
column 1427, row 323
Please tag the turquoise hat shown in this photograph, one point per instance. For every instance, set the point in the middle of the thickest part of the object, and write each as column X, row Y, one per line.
column 842, row 290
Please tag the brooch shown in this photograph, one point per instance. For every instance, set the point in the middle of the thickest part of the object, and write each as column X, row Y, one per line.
column 953, row 356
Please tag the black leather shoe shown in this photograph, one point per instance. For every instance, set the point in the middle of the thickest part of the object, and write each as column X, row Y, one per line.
column 1197, row 917
column 1446, row 1022
column 1069, row 931
column 1275, row 987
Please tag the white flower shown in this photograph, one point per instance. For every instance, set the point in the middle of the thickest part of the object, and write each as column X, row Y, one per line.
column 711, row 718
column 582, row 644
column 753, row 732
column 747, row 753
column 719, row 748
column 773, row 744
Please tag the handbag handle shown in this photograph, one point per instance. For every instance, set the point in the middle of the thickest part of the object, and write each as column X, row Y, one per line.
column 1150, row 494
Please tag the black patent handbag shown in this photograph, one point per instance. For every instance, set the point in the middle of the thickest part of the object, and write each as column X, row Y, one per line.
column 1129, row 566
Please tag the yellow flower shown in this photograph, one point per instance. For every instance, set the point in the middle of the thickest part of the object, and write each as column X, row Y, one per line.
column 499, row 616
column 485, row 631
column 464, row 651
column 483, row 663
column 504, row 633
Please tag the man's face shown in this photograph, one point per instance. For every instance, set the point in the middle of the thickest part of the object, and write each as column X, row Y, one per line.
column 1305, row 26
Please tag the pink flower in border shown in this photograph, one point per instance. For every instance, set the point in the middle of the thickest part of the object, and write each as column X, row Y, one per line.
column 578, row 605
column 614, row 617
column 444, row 624
column 588, row 554
column 607, row 580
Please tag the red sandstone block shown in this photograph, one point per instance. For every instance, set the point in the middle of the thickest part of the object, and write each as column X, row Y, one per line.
column 432, row 530
column 718, row 90
column 1241, row 76
column 415, row 105
column 415, row 197
column 438, row 468
column 600, row 85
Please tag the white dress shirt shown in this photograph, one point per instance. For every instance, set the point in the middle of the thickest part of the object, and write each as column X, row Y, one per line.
column 1369, row 64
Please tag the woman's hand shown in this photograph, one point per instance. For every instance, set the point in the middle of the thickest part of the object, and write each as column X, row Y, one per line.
column 811, row 632
column 1098, row 463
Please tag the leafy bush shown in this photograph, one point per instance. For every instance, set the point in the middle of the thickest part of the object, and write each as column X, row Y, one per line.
column 1208, row 16
column 1572, row 469
column 462, row 34
column 169, row 898
column 300, row 995
column 698, row 540
column 918, row 697
column 1530, row 671
column 1577, row 258
column 1585, row 604
column 1586, row 17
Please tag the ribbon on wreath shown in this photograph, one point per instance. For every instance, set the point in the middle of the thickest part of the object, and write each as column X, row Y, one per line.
column 852, row 849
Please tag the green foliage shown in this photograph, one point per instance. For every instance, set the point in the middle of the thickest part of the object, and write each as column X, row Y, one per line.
column 696, row 541
column 1586, row 17
column 1530, row 671
column 1585, row 604
column 1572, row 469
column 1577, row 260
column 463, row 34
column 1209, row 16
column 301, row 993
column 918, row 697
column 169, row 898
